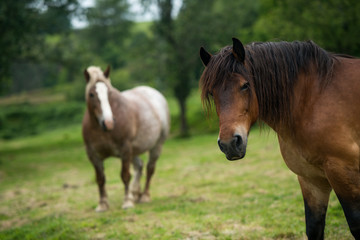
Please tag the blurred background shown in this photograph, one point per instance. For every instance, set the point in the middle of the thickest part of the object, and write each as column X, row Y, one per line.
column 46, row 44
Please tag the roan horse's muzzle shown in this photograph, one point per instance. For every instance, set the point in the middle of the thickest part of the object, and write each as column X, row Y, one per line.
column 234, row 149
column 107, row 124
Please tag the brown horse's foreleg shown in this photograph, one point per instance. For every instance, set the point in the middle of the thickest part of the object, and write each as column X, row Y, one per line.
column 126, row 177
column 135, row 186
column 345, row 181
column 100, row 179
column 150, row 169
column 316, row 194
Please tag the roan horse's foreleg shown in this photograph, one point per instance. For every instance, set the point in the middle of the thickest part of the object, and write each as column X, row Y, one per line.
column 100, row 179
column 135, row 186
column 316, row 194
column 150, row 169
column 345, row 180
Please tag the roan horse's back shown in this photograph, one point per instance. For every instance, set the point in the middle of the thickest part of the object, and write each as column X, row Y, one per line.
column 153, row 98
column 153, row 121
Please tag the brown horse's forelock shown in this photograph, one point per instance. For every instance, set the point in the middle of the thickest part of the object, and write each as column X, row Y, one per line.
column 219, row 69
column 272, row 69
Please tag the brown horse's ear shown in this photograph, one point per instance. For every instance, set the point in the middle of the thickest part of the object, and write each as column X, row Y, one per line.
column 205, row 56
column 238, row 50
column 107, row 72
column 87, row 75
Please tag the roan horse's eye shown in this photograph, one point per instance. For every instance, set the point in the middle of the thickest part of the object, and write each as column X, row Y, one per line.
column 245, row 87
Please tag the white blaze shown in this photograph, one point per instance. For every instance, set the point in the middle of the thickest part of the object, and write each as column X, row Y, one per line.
column 102, row 92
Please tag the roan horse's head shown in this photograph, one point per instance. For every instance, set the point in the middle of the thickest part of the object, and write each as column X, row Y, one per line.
column 97, row 96
column 233, row 95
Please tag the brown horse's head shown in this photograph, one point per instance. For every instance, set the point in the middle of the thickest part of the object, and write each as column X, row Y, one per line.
column 257, row 82
column 97, row 96
column 224, row 81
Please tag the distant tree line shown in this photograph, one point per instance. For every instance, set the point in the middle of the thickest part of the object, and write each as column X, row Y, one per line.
column 39, row 48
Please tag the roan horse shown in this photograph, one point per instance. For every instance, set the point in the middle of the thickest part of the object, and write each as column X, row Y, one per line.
column 311, row 98
column 125, row 125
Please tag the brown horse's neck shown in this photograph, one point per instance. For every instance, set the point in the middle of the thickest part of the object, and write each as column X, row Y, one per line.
column 305, row 91
column 275, row 71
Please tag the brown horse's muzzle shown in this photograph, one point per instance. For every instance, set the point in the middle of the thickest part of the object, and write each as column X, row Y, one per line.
column 234, row 149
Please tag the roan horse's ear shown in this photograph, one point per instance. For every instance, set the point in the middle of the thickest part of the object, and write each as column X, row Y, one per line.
column 107, row 72
column 205, row 56
column 238, row 50
column 87, row 75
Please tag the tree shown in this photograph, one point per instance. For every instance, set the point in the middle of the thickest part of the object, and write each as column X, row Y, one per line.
column 109, row 25
column 333, row 24
column 16, row 26
column 208, row 22
column 24, row 26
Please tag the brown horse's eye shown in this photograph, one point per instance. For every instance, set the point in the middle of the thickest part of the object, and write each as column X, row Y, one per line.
column 245, row 87
column 91, row 95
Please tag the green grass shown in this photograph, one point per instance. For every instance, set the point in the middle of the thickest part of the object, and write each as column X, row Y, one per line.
column 48, row 191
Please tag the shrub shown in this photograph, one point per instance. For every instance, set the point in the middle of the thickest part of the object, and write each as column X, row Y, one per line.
column 29, row 119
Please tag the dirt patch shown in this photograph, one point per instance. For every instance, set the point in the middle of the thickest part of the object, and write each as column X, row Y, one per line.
column 194, row 235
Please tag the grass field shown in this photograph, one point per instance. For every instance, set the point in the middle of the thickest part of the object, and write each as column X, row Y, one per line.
column 48, row 191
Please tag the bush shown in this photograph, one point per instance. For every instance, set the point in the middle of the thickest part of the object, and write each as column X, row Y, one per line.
column 29, row 119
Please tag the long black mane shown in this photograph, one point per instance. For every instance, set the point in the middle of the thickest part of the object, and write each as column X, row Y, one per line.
column 272, row 69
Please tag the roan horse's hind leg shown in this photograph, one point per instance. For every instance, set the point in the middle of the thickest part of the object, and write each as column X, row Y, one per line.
column 150, row 169
column 135, row 186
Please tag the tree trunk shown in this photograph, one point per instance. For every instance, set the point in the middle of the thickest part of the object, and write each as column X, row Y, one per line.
column 184, row 129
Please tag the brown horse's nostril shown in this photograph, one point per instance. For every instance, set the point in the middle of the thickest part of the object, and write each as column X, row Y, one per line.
column 238, row 141
column 221, row 145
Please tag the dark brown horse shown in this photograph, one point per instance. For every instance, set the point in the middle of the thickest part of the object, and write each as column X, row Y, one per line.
column 125, row 125
column 311, row 98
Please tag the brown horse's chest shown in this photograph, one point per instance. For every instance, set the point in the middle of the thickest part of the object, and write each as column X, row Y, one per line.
column 302, row 161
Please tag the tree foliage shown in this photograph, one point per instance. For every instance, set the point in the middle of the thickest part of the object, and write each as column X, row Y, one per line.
column 333, row 24
column 109, row 26
column 24, row 26
column 198, row 23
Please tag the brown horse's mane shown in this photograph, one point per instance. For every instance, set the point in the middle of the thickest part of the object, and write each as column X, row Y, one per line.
column 272, row 69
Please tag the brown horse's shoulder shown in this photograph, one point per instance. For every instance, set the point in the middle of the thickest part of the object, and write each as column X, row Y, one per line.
column 320, row 138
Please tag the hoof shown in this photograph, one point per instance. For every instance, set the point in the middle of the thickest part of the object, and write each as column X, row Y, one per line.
column 136, row 196
column 102, row 207
column 145, row 198
column 128, row 204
